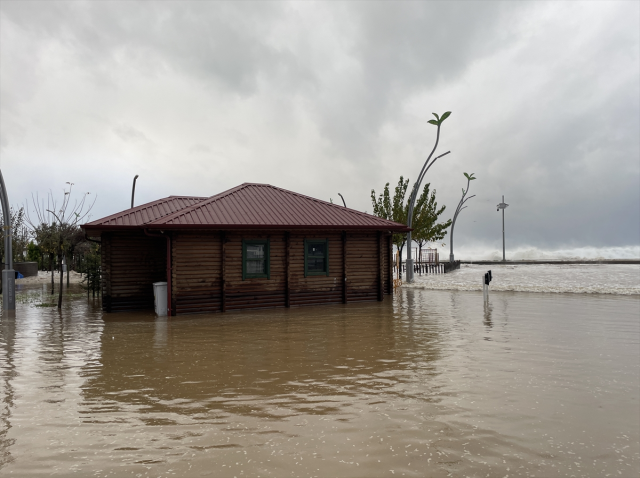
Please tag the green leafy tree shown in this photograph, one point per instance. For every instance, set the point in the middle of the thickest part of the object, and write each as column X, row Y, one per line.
column 426, row 227
column 393, row 209
column 19, row 236
column 34, row 253
column 90, row 266
column 45, row 237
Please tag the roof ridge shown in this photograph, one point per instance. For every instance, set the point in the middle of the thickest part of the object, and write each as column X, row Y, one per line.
column 215, row 197
column 233, row 190
column 327, row 203
column 141, row 207
column 190, row 197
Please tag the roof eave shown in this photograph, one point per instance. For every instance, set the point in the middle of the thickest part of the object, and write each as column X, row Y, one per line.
column 333, row 227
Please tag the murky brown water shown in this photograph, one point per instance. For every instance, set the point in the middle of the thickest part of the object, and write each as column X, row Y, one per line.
column 429, row 384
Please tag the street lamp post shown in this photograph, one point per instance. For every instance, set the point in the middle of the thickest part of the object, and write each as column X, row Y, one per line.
column 8, row 274
column 503, row 206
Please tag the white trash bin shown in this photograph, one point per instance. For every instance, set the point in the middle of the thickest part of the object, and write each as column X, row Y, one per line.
column 160, row 297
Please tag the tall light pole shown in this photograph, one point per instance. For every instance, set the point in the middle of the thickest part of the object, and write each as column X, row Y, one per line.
column 416, row 188
column 8, row 274
column 503, row 206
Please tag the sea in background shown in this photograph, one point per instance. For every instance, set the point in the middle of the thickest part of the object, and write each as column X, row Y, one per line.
column 557, row 278
column 484, row 253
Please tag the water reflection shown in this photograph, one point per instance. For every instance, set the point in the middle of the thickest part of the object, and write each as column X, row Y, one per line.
column 271, row 364
column 488, row 310
column 161, row 331
column 412, row 386
column 7, row 375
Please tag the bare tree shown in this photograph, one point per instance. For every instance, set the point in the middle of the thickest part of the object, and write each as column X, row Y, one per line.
column 56, row 224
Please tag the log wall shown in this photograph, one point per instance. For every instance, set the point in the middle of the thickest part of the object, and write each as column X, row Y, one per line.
column 316, row 289
column 131, row 263
column 196, row 270
column 206, row 270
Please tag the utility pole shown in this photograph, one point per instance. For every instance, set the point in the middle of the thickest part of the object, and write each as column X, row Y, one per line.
column 502, row 206
column 8, row 274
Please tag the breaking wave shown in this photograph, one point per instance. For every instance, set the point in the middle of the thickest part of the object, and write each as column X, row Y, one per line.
column 558, row 278
column 535, row 253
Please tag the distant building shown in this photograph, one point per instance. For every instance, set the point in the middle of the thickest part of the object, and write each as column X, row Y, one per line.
column 253, row 246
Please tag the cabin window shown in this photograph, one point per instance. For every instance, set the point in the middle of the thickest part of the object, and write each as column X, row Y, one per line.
column 255, row 259
column 316, row 257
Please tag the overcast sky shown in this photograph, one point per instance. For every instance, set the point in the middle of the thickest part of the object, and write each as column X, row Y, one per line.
column 330, row 97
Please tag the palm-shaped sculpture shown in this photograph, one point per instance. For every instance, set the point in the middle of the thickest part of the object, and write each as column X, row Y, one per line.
column 458, row 209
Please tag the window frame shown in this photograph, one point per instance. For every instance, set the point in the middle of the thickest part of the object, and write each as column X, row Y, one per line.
column 267, row 244
column 308, row 273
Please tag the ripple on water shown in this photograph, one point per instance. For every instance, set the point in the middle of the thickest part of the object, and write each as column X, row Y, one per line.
column 429, row 383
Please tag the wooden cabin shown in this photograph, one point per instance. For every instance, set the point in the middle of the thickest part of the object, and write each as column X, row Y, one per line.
column 253, row 246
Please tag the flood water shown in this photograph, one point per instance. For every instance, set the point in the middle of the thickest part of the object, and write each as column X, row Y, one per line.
column 429, row 383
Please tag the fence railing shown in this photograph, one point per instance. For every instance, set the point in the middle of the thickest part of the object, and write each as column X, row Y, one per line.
column 424, row 256
column 427, row 267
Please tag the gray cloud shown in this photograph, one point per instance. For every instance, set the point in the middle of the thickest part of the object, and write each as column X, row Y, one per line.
column 129, row 133
column 334, row 97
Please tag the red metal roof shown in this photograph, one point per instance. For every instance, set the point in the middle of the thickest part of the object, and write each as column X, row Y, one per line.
column 146, row 213
column 251, row 206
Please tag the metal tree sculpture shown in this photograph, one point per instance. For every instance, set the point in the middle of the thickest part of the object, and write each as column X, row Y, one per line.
column 416, row 188
column 458, row 209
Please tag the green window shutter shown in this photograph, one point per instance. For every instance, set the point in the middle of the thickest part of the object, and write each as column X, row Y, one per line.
column 250, row 260
column 313, row 260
